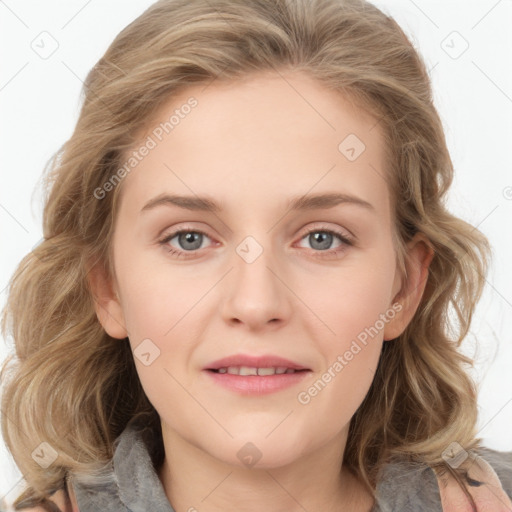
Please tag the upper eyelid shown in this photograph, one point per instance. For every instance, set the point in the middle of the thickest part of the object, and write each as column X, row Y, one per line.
column 181, row 229
column 319, row 225
column 334, row 230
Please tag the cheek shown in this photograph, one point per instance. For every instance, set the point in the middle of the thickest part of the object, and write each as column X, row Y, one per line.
column 157, row 300
column 164, row 314
column 356, row 307
column 350, row 356
column 162, row 317
column 351, row 301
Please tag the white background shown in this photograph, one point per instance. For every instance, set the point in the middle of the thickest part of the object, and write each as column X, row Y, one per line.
column 39, row 100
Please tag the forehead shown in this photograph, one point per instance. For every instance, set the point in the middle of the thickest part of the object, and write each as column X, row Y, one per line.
column 260, row 138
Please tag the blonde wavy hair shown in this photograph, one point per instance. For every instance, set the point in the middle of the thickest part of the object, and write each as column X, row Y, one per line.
column 72, row 385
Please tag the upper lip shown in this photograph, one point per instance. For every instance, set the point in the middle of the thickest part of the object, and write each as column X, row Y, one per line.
column 267, row 361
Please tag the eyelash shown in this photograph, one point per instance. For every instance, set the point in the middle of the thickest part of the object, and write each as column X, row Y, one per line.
column 319, row 254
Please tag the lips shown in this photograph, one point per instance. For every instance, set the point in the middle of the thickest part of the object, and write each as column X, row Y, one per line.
column 255, row 375
column 247, row 361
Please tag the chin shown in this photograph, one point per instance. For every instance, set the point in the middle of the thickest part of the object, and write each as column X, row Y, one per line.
column 259, row 453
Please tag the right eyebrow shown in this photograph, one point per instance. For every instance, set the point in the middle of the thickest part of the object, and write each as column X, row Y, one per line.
column 187, row 202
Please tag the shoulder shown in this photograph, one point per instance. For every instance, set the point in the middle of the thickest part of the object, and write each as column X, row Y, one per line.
column 406, row 485
column 501, row 463
column 488, row 475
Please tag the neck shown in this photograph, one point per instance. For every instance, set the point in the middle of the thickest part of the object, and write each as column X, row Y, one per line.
column 195, row 481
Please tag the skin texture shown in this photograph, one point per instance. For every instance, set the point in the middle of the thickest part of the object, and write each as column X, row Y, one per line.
column 250, row 146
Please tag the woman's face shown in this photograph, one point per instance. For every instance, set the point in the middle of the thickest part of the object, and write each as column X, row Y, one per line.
column 249, row 280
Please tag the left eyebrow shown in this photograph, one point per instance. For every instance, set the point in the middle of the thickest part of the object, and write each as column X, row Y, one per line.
column 304, row 202
column 319, row 201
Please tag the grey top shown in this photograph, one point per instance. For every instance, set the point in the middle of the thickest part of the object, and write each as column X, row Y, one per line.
column 135, row 486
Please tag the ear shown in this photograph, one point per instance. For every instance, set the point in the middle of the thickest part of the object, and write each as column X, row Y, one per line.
column 419, row 256
column 106, row 302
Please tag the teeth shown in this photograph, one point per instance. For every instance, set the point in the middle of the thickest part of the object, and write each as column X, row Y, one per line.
column 246, row 370
column 266, row 371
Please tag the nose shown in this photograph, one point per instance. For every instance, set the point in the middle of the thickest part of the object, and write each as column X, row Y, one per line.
column 256, row 295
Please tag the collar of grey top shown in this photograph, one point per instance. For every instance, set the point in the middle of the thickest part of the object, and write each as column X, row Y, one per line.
column 135, row 486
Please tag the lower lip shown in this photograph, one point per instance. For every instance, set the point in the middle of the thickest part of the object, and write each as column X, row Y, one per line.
column 257, row 384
